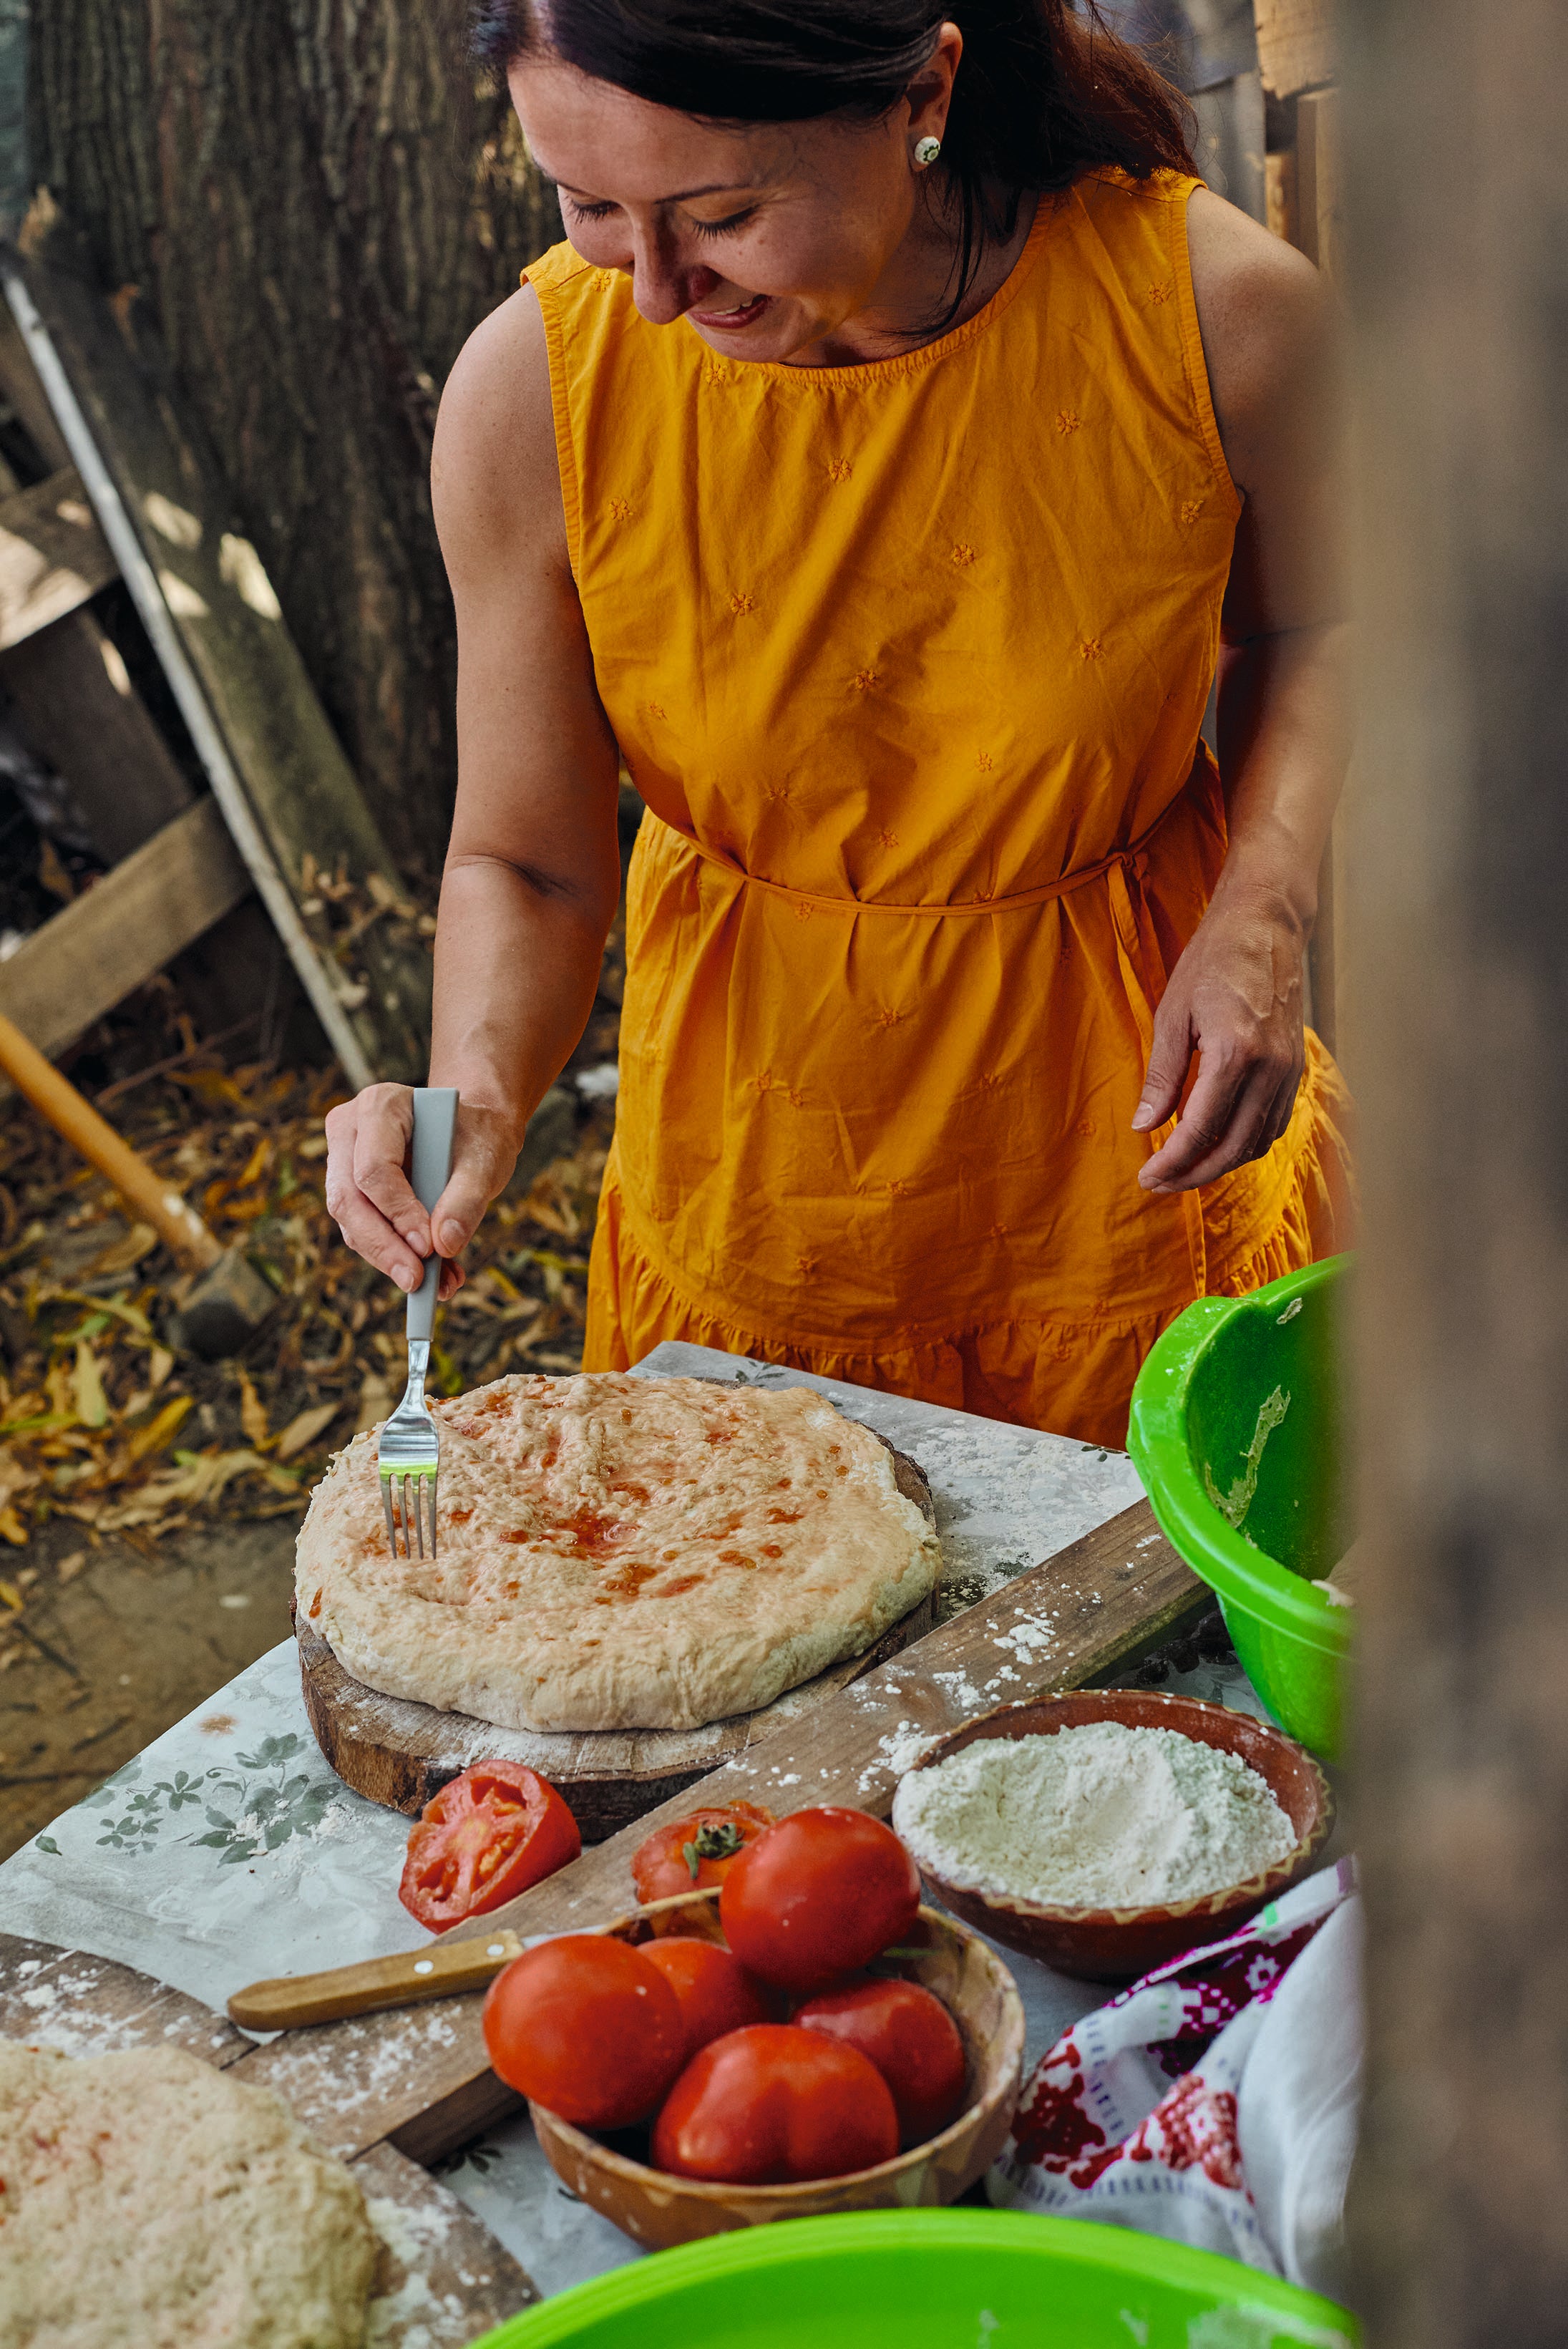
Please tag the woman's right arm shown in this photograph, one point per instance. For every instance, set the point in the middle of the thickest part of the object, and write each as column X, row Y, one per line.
column 533, row 871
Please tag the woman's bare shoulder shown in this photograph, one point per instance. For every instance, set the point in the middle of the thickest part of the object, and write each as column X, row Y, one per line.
column 494, row 478
column 1268, row 324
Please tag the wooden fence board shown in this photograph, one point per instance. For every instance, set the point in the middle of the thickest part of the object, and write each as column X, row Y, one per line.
column 52, row 555
column 91, row 954
column 81, row 711
column 1295, row 44
column 297, row 797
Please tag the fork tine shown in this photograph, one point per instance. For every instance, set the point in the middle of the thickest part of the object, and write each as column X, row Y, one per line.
column 418, row 1518
column 432, row 1485
column 391, row 1521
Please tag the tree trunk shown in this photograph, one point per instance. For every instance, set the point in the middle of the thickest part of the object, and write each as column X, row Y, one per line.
column 1458, row 220
column 318, row 199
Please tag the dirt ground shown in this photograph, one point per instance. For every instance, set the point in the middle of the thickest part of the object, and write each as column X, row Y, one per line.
column 122, row 1647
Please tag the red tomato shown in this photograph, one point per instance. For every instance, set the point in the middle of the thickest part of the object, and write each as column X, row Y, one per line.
column 911, row 2038
column 695, row 1851
column 585, row 2025
column 773, row 2107
column 486, row 1838
column 817, row 1895
column 715, row 1992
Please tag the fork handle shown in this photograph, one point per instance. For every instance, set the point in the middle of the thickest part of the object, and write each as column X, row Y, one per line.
column 435, row 1125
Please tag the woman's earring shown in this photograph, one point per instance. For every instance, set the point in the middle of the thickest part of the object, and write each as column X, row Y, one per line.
column 926, row 151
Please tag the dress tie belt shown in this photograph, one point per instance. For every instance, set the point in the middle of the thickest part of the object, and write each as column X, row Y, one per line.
column 1079, row 879
column 1113, row 870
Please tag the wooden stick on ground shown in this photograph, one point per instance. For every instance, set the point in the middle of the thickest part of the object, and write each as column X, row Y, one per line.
column 230, row 1300
column 147, row 1195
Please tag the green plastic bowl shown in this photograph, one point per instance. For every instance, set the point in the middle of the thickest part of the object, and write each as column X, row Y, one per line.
column 933, row 2279
column 1237, row 1431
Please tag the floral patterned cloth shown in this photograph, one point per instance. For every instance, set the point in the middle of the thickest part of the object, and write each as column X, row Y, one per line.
column 1214, row 2102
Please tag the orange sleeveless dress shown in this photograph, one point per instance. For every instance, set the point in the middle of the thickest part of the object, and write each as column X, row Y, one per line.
column 909, row 661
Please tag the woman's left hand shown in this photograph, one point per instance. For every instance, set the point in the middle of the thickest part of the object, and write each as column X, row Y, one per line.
column 1234, row 998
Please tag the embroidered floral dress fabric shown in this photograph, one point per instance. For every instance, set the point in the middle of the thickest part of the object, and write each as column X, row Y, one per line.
column 908, row 661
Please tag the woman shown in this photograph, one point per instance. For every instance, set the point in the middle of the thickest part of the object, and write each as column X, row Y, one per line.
column 878, row 471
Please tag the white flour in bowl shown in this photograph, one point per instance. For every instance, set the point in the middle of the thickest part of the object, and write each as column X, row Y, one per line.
column 1104, row 1817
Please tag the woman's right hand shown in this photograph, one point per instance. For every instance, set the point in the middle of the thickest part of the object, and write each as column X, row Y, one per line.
column 372, row 1202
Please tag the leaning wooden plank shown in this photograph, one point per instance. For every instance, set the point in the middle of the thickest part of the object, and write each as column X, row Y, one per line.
column 52, row 555
column 1295, row 44
column 276, row 768
column 420, row 2077
column 19, row 382
column 113, row 938
column 81, row 711
column 70, row 684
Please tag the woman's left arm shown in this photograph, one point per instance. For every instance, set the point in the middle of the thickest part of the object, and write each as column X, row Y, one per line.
column 1234, row 998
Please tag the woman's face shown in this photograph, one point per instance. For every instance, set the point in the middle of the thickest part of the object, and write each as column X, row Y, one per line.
column 770, row 238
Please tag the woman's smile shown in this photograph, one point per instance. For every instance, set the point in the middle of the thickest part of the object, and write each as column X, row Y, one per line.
column 735, row 317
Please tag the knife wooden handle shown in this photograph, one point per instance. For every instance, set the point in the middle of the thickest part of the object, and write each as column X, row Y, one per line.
column 438, row 1971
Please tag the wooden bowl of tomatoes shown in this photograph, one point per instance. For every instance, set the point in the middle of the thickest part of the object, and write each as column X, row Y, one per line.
column 808, row 2039
column 657, row 2210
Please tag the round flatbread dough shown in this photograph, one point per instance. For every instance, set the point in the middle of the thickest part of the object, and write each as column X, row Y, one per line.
column 151, row 2202
column 620, row 1553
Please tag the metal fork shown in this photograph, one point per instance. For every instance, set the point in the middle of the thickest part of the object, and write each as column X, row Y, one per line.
column 410, row 1449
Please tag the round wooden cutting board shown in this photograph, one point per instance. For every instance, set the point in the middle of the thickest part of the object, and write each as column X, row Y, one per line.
column 399, row 1753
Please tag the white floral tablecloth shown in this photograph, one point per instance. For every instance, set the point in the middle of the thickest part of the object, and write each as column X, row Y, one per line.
column 228, row 1850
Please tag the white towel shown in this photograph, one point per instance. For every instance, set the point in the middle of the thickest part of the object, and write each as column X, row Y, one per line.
column 1214, row 2102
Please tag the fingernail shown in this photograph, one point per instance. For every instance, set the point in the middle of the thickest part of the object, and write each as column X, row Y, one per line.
column 451, row 1235
column 1141, row 1116
column 408, row 1281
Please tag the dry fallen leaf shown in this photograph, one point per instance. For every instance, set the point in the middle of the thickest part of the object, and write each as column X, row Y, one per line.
column 304, row 1427
column 160, row 1431
column 121, row 1255
column 70, row 1567
column 252, row 1410
column 87, row 1397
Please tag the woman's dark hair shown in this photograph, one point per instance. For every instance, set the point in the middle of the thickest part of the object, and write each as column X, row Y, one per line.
column 1044, row 91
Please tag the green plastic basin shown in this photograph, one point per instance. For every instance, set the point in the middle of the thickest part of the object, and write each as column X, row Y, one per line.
column 933, row 2279
column 1237, row 1431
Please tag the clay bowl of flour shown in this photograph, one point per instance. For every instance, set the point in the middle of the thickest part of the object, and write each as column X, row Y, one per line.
column 657, row 2211
column 991, row 1834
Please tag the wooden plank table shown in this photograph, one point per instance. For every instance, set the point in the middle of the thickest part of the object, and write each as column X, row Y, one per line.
column 417, row 2078
column 440, row 2279
column 228, row 1851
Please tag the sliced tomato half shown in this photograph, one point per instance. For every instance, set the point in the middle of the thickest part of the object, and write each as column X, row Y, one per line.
column 486, row 1838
